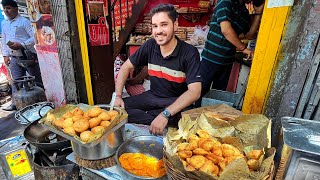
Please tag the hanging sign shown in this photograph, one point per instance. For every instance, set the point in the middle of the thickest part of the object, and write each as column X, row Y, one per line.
column 96, row 12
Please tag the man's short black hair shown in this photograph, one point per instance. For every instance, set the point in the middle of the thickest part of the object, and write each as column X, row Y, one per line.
column 168, row 8
column 11, row 3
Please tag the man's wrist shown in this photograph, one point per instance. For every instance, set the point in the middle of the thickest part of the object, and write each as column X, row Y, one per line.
column 244, row 47
column 166, row 114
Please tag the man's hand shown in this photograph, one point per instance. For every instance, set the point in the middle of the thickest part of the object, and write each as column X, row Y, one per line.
column 158, row 124
column 249, row 53
column 119, row 102
column 16, row 46
column 6, row 60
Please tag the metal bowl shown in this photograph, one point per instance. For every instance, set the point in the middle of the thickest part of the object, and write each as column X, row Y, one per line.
column 148, row 145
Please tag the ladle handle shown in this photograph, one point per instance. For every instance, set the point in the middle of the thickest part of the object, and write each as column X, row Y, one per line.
column 114, row 95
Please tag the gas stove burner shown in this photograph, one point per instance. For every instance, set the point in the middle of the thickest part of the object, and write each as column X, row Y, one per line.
column 53, row 158
column 55, row 164
column 95, row 164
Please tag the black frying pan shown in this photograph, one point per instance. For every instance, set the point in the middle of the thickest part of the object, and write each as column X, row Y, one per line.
column 44, row 139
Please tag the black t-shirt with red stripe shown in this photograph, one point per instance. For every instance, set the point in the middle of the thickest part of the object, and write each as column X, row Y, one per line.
column 169, row 76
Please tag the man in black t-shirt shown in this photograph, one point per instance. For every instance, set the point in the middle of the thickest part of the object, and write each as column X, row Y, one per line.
column 173, row 68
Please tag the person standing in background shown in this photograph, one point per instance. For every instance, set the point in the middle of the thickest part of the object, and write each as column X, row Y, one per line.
column 258, row 6
column 230, row 19
column 17, row 35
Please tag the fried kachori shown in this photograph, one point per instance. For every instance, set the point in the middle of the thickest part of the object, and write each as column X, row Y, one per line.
column 77, row 111
column 76, row 117
column 205, row 153
column 69, row 130
column 113, row 114
column 255, row 154
column 77, row 121
column 81, row 125
column 97, row 129
column 94, row 122
column 105, row 123
column 104, row 116
column 67, row 122
column 86, row 136
column 94, row 112
column 59, row 122
column 197, row 161
column 253, row 164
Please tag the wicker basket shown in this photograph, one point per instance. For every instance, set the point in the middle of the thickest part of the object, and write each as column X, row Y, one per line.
column 176, row 174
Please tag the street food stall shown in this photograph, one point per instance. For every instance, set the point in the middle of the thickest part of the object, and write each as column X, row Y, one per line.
column 210, row 142
column 216, row 142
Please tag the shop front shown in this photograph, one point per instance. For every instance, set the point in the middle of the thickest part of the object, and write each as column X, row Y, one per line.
column 211, row 142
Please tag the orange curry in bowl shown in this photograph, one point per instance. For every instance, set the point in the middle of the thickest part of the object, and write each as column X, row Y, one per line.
column 142, row 165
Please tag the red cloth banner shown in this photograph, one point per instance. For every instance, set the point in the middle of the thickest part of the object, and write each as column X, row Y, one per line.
column 96, row 12
column 121, row 5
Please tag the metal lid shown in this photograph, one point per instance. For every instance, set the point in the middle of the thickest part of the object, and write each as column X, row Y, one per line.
column 301, row 134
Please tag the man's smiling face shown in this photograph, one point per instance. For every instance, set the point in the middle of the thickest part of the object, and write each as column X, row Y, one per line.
column 163, row 28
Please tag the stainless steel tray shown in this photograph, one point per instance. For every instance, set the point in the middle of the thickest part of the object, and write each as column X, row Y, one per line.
column 91, row 144
column 303, row 166
column 122, row 120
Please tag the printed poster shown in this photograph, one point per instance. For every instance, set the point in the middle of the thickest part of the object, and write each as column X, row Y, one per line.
column 279, row 3
column 51, row 75
column 96, row 12
column 45, row 32
column 33, row 10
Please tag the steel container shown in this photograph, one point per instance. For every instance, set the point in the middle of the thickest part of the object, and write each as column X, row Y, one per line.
column 105, row 148
column 302, row 136
column 15, row 158
column 148, row 145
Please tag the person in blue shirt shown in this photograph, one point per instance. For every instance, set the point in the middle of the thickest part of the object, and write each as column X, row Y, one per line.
column 17, row 35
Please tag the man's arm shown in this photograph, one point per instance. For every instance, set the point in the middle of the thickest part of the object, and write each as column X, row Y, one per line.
column 5, row 48
column 121, row 80
column 187, row 98
column 230, row 34
column 30, row 30
column 255, row 22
